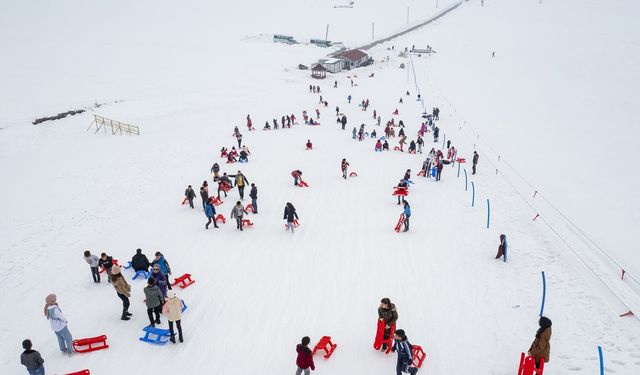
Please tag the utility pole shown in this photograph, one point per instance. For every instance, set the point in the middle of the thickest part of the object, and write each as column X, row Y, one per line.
column 372, row 31
column 407, row 15
column 326, row 35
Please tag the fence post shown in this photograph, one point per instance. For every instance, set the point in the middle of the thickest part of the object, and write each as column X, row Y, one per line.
column 601, row 360
column 544, row 293
column 488, row 213
column 473, row 194
column 465, row 179
column 458, row 170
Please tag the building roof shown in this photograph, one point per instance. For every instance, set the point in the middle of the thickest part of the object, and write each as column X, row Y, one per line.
column 319, row 68
column 353, row 55
column 331, row 61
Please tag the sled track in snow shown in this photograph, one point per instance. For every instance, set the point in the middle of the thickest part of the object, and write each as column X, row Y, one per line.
column 412, row 28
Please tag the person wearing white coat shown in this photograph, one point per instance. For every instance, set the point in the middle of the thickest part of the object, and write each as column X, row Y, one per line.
column 59, row 324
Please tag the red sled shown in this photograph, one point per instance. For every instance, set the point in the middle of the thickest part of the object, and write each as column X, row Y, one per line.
column 249, row 208
column 302, row 184
column 225, row 187
column 81, row 372
column 310, row 147
column 220, row 217
column 461, row 160
column 395, row 112
column 217, row 201
column 247, row 223
column 183, row 281
column 412, row 151
column 403, row 192
column 185, row 200
column 353, row 174
column 380, row 340
column 326, row 345
column 397, row 148
column 90, row 344
column 422, row 173
column 418, row 356
column 528, row 366
column 294, row 222
column 114, row 262
column 400, row 222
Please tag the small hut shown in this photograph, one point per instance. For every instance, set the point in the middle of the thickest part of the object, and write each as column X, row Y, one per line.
column 319, row 72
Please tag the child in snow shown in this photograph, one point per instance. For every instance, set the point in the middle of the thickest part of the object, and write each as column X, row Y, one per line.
column 378, row 145
column 154, row 300
column 58, row 323
column 412, row 147
column 190, row 195
column 407, row 215
column 253, row 194
column 210, row 212
column 502, row 249
column 297, row 175
column 309, row 145
column 238, row 213
column 305, row 357
column 106, row 262
column 541, row 347
column 344, row 165
column 31, row 359
column 385, row 145
column 404, row 349
column 173, row 310
column 289, row 215
column 243, row 157
column 93, row 264
column 387, row 312
column 123, row 289
column 140, row 262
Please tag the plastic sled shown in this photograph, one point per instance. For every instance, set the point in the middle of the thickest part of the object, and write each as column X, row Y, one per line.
column 157, row 336
column 183, row 281
column 90, row 344
column 326, row 345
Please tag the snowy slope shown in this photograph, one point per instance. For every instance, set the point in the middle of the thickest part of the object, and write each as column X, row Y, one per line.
column 259, row 291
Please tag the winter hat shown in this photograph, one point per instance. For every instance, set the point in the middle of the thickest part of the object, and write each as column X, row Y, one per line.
column 171, row 294
column 115, row 270
column 49, row 300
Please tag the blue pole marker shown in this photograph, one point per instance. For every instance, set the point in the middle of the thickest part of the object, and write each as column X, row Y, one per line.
column 473, row 194
column 465, row 180
column 601, row 360
column 544, row 293
column 488, row 213
column 458, row 170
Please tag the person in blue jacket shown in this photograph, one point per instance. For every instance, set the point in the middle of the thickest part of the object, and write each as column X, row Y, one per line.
column 407, row 215
column 162, row 263
column 404, row 349
column 210, row 212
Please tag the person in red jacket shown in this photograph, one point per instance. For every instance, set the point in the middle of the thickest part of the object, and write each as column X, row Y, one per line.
column 297, row 175
column 305, row 357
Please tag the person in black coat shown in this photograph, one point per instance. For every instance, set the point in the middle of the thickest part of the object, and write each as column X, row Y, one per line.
column 253, row 194
column 475, row 161
column 106, row 262
column 190, row 194
column 140, row 262
column 31, row 359
column 343, row 121
column 290, row 214
column 204, row 194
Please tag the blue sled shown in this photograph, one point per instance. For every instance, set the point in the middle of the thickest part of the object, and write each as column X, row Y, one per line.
column 184, row 305
column 127, row 266
column 143, row 274
column 433, row 172
column 243, row 161
column 161, row 335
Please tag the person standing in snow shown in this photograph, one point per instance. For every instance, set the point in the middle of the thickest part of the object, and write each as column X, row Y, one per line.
column 540, row 347
column 439, row 168
column 224, row 182
column 58, row 324
column 387, row 312
column 154, row 300
column 290, row 214
column 502, row 249
column 343, row 121
column 210, row 212
column 160, row 279
column 419, row 142
column 140, row 262
column 31, row 359
column 304, row 361
column 344, row 165
column 238, row 213
column 436, row 134
column 93, row 264
column 297, row 175
column 123, row 289
column 402, row 142
column 404, row 349
column 407, row 214
column 173, row 310
column 106, row 262
column 204, row 194
column 162, row 264
column 190, row 194
column 385, row 145
column 407, row 175
column 253, row 194
column 239, row 138
column 475, row 161
column 240, row 182
column 401, row 132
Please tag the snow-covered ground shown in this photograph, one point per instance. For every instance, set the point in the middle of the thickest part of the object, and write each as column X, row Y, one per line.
column 554, row 103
